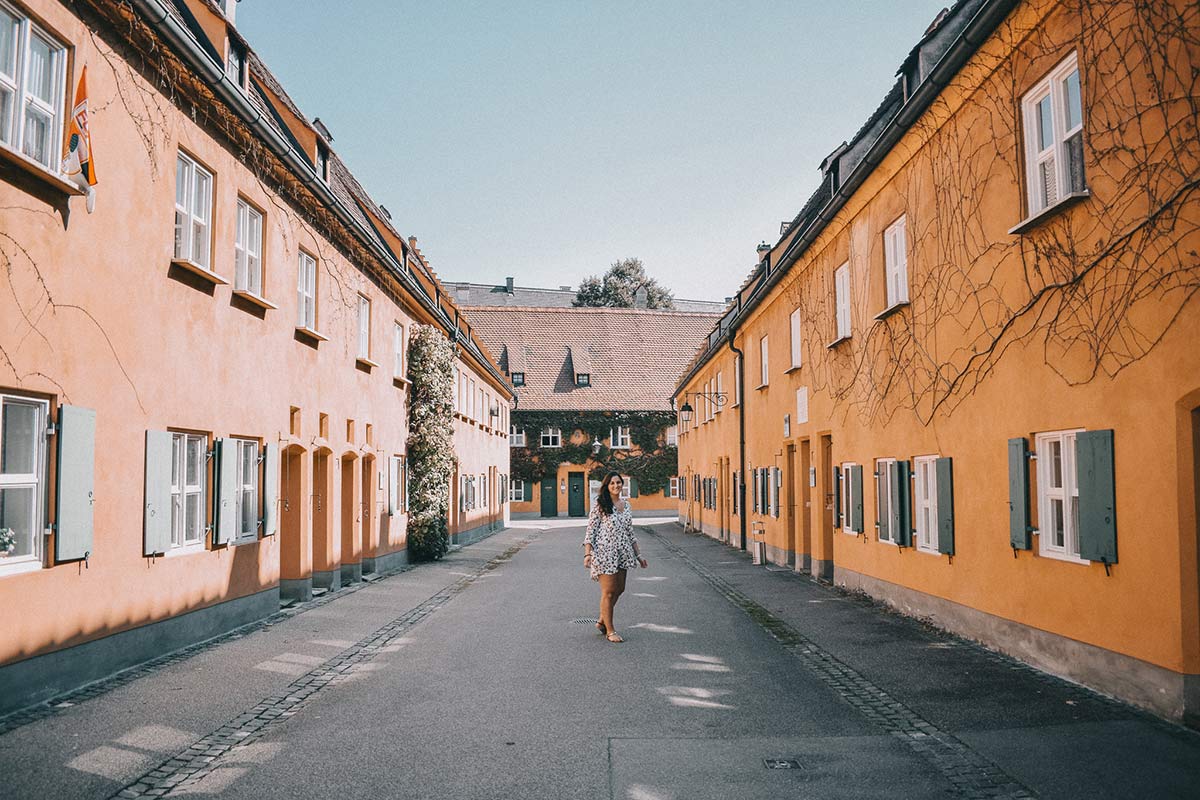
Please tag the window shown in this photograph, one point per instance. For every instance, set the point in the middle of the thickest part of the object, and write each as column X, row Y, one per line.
column 484, row 500
column 925, row 503
column 235, row 63
column 518, row 379
column 248, row 250
column 189, row 469
column 895, row 262
column 480, row 407
column 735, row 493
column 32, row 86
column 841, row 291
column 619, row 437
column 247, row 488
column 776, row 490
column 470, row 398
column 673, row 487
column 462, row 393
column 516, row 436
column 551, row 437
column 673, row 436
column 193, row 204
column 306, row 289
column 583, row 379
column 400, row 350
column 1058, row 495
column 797, row 349
column 802, row 405
column 626, row 487
column 398, row 490
column 848, row 499
column 364, row 327
column 516, row 490
column 1053, row 119
column 720, row 389
column 883, row 500
column 682, row 484
column 22, row 479
column 737, row 380
column 765, row 372
column 323, row 162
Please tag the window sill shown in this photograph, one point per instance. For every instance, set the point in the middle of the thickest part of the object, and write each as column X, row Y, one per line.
column 250, row 297
column 761, row 386
column 791, row 369
column 309, row 333
column 1070, row 559
column 401, row 381
column 927, row 550
column 365, row 364
column 19, row 567
column 185, row 550
column 202, row 272
column 1032, row 222
column 837, row 341
column 40, row 172
column 892, row 309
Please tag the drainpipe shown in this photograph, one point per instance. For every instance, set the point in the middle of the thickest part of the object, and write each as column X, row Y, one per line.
column 740, row 487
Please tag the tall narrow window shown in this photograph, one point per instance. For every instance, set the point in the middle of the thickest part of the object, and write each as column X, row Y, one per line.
column 193, row 206
column 189, row 469
column 619, row 437
column 841, row 290
column 247, row 249
column 895, row 261
column 516, row 436
column 925, row 502
column 673, row 436
column 765, row 371
column 398, row 335
column 306, row 292
column 720, row 390
column 1053, row 122
column 797, row 344
column 364, row 327
column 471, row 398
column 247, row 483
column 848, row 499
column 883, row 499
column 22, row 480
column 32, row 85
column 1058, row 495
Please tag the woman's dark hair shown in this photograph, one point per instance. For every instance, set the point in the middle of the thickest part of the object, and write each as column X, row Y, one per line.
column 604, row 499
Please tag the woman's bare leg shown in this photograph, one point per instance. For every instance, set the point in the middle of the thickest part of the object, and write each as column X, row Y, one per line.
column 611, row 587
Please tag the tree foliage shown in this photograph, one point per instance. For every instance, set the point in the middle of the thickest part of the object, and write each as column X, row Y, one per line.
column 430, row 442
column 618, row 287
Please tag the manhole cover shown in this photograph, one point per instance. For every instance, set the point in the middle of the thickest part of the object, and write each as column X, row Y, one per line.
column 584, row 621
column 781, row 763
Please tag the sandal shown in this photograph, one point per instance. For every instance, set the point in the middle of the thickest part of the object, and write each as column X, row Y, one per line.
column 614, row 637
column 600, row 627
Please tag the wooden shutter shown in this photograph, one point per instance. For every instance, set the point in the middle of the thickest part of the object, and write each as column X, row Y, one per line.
column 903, row 493
column 156, row 524
column 1018, row 494
column 270, row 484
column 393, row 477
column 633, row 487
column 944, row 470
column 837, row 497
column 226, row 529
column 76, row 483
column 527, row 491
column 856, row 498
column 1097, row 496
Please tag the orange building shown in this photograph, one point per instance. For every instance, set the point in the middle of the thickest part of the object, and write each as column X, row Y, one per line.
column 203, row 384
column 966, row 379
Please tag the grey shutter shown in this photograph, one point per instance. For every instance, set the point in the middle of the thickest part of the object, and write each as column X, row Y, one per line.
column 837, row 497
column 226, row 529
column 156, row 524
column 270, row 484
column 76, row 483
column 856, row 498
column 527, row 491
column 393, row 477
column 944, row 469
column 904, row 503
column 633, row 487
column 1018, row 494
column 1097, row 496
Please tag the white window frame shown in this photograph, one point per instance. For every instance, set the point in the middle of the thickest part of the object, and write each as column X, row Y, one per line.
column 895, row 262
column 364, row 327
column 516, row 436
column 619, row 437
column 247, row 485
column 398, row 334
column 470, row 398
column 1066, row 494
column 36, row 480
column 193, row 212
column 1053, row 158
column 925, row 494
column 673, row 487
column 306, row 291
column 841, row 296
column 182, row 539
column 775, row 479
column 672, row 435
column 764, row 362
column 794, row 323
column 483, row 491
column 847, row 498
column 553, row 436
column 16, row 83
column 883, row 501
column 247, row 249
column 516, row 490
column 516, row 382
column 626, row 487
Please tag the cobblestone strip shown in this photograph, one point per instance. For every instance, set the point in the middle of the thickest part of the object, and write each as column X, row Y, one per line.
column 191, row 765
column 972, row 775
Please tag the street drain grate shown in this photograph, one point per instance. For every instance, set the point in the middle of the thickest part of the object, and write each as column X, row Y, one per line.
column 781, row 763
column 584, row 621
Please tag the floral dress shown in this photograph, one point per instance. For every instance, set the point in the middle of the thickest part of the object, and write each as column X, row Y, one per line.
column 612, row 540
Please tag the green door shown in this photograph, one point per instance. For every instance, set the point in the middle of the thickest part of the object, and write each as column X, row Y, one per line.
column 549, row 498
column 575, row 504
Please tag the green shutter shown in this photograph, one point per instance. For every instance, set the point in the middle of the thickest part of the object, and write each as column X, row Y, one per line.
column 633, row 487
column 76, row 483
column 944, row 470
column 904, row 508
column 1097, row 496
column 527, row 491
column 156, row 524
column 270, row 484
column 1018, row 494
column 837, row 497
column 856, row 498
column 226, row 528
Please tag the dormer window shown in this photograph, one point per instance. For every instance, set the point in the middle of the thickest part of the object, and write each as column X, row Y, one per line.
column 583, row 379
column 323, row 162
column 518, row 379
column 235, row 63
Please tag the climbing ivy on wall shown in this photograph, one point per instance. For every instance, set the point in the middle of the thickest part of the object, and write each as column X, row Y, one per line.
column 431, row 460
column 649, row 461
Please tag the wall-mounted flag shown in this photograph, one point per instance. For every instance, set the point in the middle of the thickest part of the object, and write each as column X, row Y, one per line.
column 78, row 165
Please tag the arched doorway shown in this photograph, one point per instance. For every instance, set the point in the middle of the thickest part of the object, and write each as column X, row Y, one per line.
column 350, row 516
column 295, row 545
column 368, row 515
column 326, row 547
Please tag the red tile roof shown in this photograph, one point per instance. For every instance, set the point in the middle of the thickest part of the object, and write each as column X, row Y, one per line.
column 636, row 356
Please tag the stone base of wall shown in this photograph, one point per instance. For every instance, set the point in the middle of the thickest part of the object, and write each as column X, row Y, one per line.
column 473, row 535
column 822, row 570
column 42, row 677
column 351, row 573
column 327, row 579
column 1163, row 691
column 386, row 562
column 298, row 589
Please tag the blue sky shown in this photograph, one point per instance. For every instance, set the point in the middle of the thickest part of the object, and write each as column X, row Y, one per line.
column 547, row 140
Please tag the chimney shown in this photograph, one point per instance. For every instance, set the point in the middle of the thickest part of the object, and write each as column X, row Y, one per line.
column 762, row 248
column 508, row 285
column 641, row 298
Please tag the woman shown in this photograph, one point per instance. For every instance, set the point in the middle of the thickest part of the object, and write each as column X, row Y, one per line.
column 609, row 548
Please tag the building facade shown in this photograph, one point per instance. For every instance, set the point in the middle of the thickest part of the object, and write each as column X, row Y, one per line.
column 204, row 382
column 966, row 380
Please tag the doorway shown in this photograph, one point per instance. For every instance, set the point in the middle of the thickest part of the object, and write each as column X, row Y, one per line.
column 789, row 477
column 575, row 499
column 807, row 478
column 549, row 497
column 823, row 560
column 367, row 552
column 325, row 555
column 295, row 566
column 351, row 566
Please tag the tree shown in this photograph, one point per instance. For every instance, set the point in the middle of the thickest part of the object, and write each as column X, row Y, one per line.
column 618, row 287
column 431, row 459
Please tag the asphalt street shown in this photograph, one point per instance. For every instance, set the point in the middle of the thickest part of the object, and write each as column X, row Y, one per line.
column 483, row 676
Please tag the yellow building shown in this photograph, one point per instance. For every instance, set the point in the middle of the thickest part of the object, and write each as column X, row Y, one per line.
column 966, row 379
